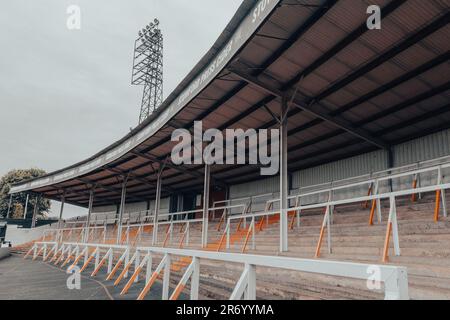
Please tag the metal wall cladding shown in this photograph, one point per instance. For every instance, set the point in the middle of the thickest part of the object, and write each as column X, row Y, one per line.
column 103, row 209
column 135, row 207
column 261, row 187
column 426, row 148
column 163, row 207
column 248, row 189
column 342, row 169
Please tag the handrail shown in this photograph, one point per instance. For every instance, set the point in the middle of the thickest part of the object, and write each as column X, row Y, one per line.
column 368, row 182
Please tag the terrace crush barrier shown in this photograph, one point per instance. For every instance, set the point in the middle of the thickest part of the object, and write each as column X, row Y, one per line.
column 395, row 278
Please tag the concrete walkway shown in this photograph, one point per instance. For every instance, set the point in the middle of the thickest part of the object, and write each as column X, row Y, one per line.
column 36, row 280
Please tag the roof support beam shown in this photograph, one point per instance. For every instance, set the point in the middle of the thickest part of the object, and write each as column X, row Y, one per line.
column 316, row 109
column 137, row 178
column 104, row 187
column 180, row 169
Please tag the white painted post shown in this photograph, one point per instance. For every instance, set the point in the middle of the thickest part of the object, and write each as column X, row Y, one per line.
column 206, row 206
column 88, row 222
column 35, row 212
column 228, row 233
column 166, row 278
column 9, row 206
column 195, row 278
column 26, row 207
column 157, row 206
column 251, row 285
column 110, row 260
column 393, row 219
column 330, row 251
column 284, row 177
column 123, row 196
column 149, row 272
column 253, row 233
column 137, row 262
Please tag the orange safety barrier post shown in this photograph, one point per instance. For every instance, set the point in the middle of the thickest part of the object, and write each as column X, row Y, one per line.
column 132, row 279
column 221, row 222
column 291, row 225
column 61, row 257
column 322, row 232
column 153, row 278
column 191, row 272
column 222, row 239
column 372, row 212
column 239, row 224
column 100, row 265
column 249, row 232
column 136, row 273
column 178, row 290
column 55, row 256
column 58, row 260
column 114, row 270
column 86, row 263
column 80, row 236
column 413, row 196
column 437, row 207
column 148, row 286
column 38, row 254
column 124, row 271
column 49, row 254
column 319, row 244
column 182, row 240
column 167, row 235
column 123, row 236
column 69, row 258
column 386, row 242
column 391, row 229
column 77, row 259
column 366, row 203
column 29, row 252
column 261, row 223
column 136, row 237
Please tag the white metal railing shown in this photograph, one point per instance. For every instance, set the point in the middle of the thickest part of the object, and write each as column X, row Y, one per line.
column 394, row 278
column 246, row 212
column 379, row 174
column 329, row 205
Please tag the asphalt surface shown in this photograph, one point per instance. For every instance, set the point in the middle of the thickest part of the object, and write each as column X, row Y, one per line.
column 36, row 280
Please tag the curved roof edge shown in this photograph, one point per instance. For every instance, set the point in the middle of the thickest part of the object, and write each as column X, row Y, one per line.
column 248, row 18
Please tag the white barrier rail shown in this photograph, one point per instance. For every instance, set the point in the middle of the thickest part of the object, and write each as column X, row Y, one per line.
column 395, row 278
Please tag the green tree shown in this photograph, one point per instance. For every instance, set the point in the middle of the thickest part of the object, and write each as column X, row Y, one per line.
column 18, row 200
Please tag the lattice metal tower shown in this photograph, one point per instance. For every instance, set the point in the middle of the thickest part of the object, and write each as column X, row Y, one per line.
column 148, row 68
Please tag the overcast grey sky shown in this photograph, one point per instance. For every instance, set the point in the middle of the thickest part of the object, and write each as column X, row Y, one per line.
column 66, row 94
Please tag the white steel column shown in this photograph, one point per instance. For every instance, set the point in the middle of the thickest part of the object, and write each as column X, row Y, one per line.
column 122, row 209
column 9, row 206
column 284, row 206
column 61, row 211
column 206, row 206
column 88, row 221
column 35, row 212
column 157, row 206
column 26, row 207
